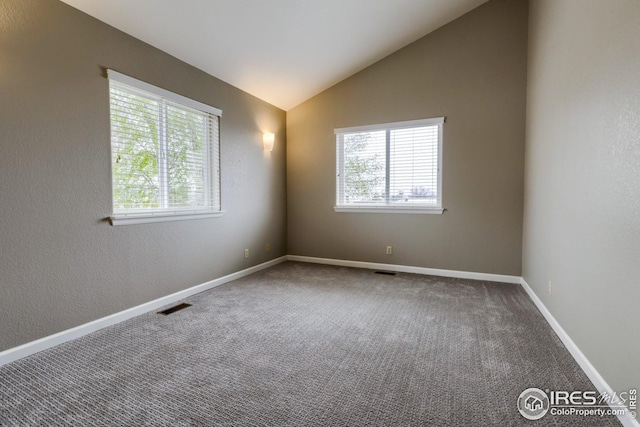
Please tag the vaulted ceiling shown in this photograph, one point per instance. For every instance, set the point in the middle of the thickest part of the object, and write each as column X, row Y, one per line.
column 282, row 51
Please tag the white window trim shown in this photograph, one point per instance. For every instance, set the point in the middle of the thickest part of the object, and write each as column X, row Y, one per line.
column 130, row 219
column 389, row 209
column 142, row 216
column 139, row 84
column 392, row 125
column 395, row 208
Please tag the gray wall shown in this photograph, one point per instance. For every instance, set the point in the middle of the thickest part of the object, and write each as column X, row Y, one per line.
column 61, row 264
column 582, row 197
column 473, row 71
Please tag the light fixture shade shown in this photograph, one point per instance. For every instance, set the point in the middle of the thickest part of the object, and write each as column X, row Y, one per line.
column 268, row 139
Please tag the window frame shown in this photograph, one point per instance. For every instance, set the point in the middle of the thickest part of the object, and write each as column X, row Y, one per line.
column 430, row 208
column 146, row 215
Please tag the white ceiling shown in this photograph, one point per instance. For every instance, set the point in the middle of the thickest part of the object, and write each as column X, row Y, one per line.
column 282, row 51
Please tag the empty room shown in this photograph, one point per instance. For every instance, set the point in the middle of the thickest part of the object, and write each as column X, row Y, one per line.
column 319, row 212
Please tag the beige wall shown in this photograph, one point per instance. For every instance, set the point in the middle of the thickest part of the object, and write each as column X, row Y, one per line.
column 473, row 71
column 582, row 197
column 61, row 264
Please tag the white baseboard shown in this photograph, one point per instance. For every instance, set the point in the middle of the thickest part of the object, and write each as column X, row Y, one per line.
column 580, row 358
column 409, row 269
column 33, row 347
column 52, row 340
column 578, row 355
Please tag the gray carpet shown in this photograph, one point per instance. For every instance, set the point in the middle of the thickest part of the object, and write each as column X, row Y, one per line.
column 307, row 345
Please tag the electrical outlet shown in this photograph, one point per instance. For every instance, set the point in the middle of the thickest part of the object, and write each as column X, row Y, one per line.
column 389, row 250
column 267, row 247
column 246, row 253
column 550, row 288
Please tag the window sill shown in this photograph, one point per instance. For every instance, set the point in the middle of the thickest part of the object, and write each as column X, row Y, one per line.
column 389, row 209
column 141, row 218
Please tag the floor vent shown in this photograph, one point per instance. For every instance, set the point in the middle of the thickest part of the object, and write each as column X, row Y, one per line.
column 388, row 273
column 175, row 308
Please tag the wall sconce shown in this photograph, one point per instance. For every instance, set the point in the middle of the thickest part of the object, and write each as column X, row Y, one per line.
column 268, row 139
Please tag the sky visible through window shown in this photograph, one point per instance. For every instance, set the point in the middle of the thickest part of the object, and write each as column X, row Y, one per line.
column 412, row 171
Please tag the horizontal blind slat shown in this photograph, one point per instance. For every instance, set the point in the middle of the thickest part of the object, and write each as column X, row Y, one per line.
column 154, row 140
column 406, row 165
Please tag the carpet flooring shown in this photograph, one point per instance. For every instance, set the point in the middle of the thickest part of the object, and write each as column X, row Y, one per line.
column 307, row 345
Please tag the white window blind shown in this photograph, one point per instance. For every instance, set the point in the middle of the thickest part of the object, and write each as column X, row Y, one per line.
column 165, row 151
column 390, row 167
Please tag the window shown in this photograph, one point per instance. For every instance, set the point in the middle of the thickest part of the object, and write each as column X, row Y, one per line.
column 164, row 154
column 392, row 167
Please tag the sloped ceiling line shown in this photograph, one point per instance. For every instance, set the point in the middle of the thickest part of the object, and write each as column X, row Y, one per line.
column 282, row 51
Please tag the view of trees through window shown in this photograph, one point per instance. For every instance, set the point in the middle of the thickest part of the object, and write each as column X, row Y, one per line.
column 394, row 166
column 364, row 167
column 160, row 153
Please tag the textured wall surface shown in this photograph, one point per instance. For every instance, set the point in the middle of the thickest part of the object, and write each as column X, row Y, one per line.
column 473, row 71
column 61, row 264
column 582, row 197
